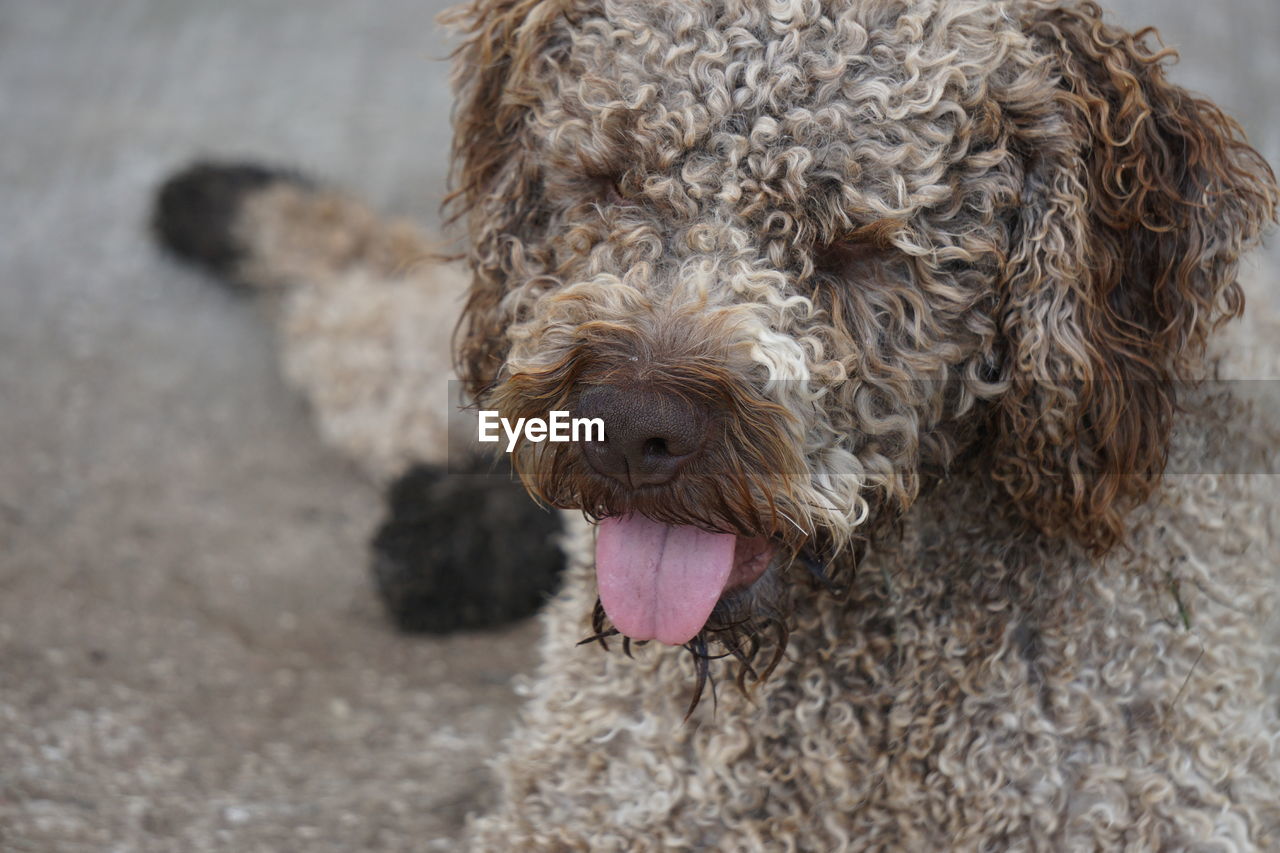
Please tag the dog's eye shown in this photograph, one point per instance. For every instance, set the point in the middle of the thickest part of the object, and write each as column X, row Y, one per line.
column 607, row 188
column 840, row 255
column 613, row 190
column 864, row 244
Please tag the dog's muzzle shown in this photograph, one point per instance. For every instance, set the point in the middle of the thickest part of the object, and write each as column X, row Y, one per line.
column 649, row 433
column 659, row 581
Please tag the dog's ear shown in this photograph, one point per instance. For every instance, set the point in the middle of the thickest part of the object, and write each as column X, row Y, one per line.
column 1138, row 200
column 497, row 185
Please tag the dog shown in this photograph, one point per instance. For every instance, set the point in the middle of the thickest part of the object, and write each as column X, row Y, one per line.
column 903, row 295
column 900, row 317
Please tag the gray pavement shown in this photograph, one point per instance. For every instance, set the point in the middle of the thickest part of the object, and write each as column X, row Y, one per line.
column 190, row 654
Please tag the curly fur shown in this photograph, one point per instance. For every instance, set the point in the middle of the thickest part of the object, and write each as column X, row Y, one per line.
column 940, row 267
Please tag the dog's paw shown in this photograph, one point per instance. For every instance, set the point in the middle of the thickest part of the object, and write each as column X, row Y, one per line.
column 461, row 552
column 196, row 210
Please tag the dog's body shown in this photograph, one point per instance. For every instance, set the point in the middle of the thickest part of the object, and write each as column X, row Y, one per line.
column 923, row 282
column 971, row 694
column 906, row 294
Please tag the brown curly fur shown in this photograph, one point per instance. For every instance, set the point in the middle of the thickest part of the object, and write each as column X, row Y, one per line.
column 1139, row 265
column 940, row 268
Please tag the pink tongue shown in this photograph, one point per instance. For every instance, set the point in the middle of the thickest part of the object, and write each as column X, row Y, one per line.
column 660, row 581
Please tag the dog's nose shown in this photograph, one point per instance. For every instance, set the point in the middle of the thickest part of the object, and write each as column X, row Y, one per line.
column 649, row 434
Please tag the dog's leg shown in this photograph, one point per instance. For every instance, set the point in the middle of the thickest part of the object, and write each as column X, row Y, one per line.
column 366, row 309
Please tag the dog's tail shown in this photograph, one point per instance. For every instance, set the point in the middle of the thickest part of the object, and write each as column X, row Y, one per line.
column 366, row 308
column 365, row 322
column 268, row 228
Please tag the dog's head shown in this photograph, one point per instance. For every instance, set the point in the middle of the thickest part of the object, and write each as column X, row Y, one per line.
column 799, row 255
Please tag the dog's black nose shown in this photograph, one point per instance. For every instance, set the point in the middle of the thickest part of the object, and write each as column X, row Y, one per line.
column 649, row 434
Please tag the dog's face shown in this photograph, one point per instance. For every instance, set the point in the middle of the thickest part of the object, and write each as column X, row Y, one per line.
column 798, row 256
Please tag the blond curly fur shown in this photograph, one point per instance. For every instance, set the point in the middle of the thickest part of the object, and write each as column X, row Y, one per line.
column 949, row 267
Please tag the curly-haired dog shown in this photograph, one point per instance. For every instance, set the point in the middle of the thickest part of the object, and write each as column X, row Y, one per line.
column 906, row 285
column 887, row 306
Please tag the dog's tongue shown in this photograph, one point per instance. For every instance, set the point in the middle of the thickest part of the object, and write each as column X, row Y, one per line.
column 660, row 581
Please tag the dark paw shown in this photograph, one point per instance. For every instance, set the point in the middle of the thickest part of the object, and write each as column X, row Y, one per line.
column 196, row 209
column 464, row 551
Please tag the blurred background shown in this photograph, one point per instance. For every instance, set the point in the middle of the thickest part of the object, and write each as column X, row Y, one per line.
column 191, row 656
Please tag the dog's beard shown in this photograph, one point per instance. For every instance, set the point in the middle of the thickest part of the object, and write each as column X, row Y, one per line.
column 751, row 626
column 745, row 499
column 750, row 480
